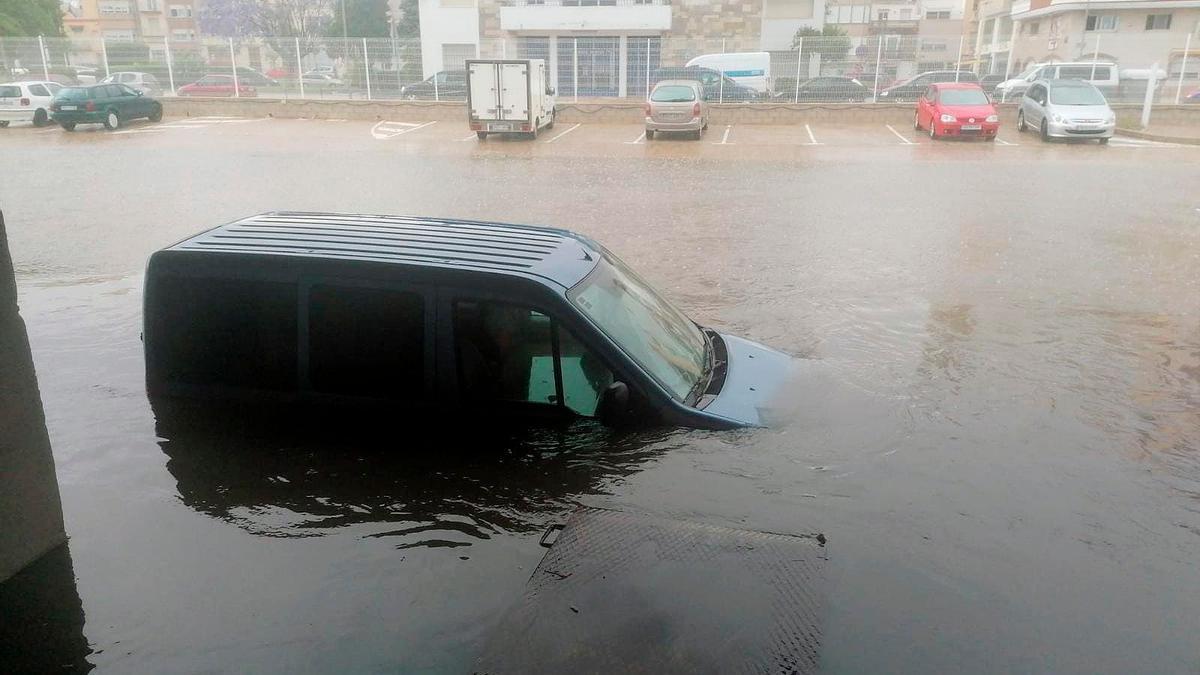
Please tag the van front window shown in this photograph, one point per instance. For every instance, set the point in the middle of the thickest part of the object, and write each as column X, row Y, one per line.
column 658, row 337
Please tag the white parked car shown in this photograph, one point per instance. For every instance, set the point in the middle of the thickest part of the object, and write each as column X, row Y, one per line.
column 143, row 82
column 27, row 102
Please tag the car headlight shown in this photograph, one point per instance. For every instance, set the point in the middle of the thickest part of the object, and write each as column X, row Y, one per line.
column 1111, row 119
column 1059, row 119
column 992, row 119
column 947, row 118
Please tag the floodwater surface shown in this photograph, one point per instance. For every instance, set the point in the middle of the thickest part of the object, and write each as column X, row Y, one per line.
column 996, row 429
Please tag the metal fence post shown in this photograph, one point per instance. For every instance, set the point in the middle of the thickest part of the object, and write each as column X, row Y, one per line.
column 1095, row 55
column 648, row 66
column 799, row 59
column 878, row 60
column 42, row 53
column 367, row 67
column 436, row 94
column 299, row 69
column 1148, row 102
column 170, row 67
column 104, row 54
column 575, row 67
column 1187, row 46
column 958, row 60
column 721, row 84
column 237, row 90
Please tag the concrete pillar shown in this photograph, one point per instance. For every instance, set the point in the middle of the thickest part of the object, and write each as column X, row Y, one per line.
column 31, row 519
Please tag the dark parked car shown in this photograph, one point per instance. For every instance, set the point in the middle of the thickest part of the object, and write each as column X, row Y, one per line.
column 405, row 314
column 717, row 88
column 911, row 89
column 109, row 104
column 447, row 85
column 826, row 89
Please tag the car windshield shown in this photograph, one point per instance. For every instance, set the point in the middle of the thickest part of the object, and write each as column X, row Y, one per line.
column 74, row 93
column 674, row 93
column 1076, row 96
column 963, row 97
column 660, row 338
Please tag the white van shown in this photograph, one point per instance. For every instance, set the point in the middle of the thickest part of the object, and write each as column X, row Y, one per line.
column 508, row 96
column 752, row 69
column 1102, row 74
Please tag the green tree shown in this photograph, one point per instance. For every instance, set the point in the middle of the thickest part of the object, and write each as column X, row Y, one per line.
column 30, row 17
column 830, row 42
column 368, row 18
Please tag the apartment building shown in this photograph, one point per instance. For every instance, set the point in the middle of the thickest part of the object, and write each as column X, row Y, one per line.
column 911, row 35
column 1134, row 33
column 607, row 47
column 147, row 21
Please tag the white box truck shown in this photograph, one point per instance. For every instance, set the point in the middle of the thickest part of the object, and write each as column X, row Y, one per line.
column 508, row 96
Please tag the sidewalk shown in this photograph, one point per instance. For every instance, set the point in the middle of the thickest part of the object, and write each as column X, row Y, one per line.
column 1168, row 133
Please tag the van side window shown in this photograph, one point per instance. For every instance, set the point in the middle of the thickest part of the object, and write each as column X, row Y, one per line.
column 510, row 353
column 231, row 332
column 366, row 341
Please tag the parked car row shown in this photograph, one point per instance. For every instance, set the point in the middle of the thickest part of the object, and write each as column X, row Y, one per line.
column 27, row 102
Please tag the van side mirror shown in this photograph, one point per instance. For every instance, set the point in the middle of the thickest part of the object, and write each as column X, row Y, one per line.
column 613, row 408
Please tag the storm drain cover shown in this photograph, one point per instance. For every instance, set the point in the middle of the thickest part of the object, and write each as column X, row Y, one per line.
column 622, row 592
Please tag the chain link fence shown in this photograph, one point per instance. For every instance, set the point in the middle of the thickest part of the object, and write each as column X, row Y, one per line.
column 885, row 67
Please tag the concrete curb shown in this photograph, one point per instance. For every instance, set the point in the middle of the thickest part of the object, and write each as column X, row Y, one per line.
column 1134, row 133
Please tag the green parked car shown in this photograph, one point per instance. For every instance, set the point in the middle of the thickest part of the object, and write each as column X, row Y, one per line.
column 108, row 104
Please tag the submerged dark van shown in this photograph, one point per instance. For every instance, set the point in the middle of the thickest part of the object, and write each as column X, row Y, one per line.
column 327, row 308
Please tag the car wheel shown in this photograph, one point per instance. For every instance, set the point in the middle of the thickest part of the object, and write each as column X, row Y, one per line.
column 649, row 134
column 40, row 118
column 534, row 134
column 481, row 135
column 112, row 120
column 697, row 134
column 1103, row 141
column 553, row 115
column 156, row 116
column 68, row 126
column 1045, row 132
column 917, row 121
column 932, row 130
column 3, row 125
column 1021, row 127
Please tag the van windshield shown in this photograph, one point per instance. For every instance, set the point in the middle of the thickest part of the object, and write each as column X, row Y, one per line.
column 1076, row 96
column 675, row 93
column 658, row 337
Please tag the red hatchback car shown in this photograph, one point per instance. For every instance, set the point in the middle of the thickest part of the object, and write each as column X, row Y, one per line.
column 215, row 85
column 957, row 109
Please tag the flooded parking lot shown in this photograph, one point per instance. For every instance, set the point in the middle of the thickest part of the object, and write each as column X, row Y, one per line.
column 997, row 432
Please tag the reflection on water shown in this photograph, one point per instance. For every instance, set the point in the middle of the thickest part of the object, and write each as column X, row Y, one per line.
column 443, row 489
column 41, row 619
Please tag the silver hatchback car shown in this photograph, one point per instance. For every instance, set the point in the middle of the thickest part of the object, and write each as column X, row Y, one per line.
column 677, row 105
column 1066, row 109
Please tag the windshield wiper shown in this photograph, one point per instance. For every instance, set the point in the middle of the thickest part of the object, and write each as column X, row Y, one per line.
column 710, row 368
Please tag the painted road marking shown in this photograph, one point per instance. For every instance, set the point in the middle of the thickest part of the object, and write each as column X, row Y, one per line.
column 468, row 138
column 903, row 140
column 385, row 130
column 1001, row 141
column 725, row 137
column 812, row 139
column 564, row 133
column 138, row 131
column 638, row 140
column 48, row 131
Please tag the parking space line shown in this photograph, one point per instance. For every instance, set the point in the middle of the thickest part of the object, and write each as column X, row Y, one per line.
column 903, row 140
column 812, row 139
column 638, row 140
column 472, row 137
column 725, row 137
column 384, row 129
column 48, row 131
column 138, row 131
column 1001, row 141
column 564, row 133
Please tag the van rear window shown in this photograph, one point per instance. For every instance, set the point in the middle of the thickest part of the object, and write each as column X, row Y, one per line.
column 230, row 332
column 366, row 342
column 10, row 92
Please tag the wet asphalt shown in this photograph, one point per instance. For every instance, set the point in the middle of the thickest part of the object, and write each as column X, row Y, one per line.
column 998, row 430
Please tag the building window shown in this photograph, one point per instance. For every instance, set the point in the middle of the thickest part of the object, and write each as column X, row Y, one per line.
column 180, row 11
column 1102, row 22
column 458, row 3
column 882, row 15
column 151, row 6
column 1158, row 22
column 119, row 35
column 940, row 14
column 114, row 7
column 934, row 45
column 183, row 35
column 1034, row 27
